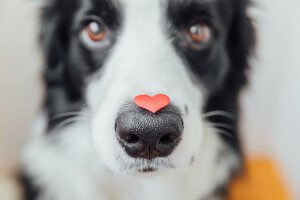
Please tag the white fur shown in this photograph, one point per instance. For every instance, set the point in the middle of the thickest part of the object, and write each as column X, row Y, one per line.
column 67, row 167
column 85, row 160
column 143, row 62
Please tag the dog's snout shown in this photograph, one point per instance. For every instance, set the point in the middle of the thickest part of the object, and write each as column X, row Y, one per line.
column 143, row 134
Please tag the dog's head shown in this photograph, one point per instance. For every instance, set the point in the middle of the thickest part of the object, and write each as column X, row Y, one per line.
column 101, row 54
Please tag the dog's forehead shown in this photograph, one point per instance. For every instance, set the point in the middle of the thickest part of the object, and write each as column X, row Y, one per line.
column 141, row 5
column 162, row 3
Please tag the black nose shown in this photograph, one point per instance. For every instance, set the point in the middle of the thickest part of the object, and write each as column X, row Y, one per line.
column 147, row 135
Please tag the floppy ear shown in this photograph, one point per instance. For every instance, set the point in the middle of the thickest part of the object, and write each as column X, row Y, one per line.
column 64, row 92
column 53, row 41
column 240, row 46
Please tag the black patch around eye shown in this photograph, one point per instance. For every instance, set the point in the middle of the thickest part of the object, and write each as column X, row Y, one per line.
column 68, row 63
column 184, row 13
column 107, row 11
column 87, row 19
column 223, row 67
column 207, row 61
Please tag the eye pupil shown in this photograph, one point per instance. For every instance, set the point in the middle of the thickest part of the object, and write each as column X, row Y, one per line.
column 200, row 33
column 95, row 31
column 196, row 30
column 95, row 28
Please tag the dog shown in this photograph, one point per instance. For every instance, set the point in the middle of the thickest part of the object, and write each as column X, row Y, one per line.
column 106, row 63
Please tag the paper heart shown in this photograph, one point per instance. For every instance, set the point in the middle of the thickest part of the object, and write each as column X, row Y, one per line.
column 152, row 104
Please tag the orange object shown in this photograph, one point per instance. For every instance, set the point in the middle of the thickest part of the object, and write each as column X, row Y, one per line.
column 261, row 181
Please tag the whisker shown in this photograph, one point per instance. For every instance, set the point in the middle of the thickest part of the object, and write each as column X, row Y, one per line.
column 66, row 122
column 218, row 113
column 223, row 125
column 220, row 131
column 67, row 114
column 223, row 132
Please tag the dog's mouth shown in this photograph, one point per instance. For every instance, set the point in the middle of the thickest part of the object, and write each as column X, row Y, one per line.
column 145, row 166
column 147, row 170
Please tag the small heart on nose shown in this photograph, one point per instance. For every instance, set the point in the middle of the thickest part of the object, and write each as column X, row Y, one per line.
column 152, row 104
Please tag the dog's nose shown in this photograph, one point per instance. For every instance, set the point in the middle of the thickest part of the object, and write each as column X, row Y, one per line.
column 148, row 135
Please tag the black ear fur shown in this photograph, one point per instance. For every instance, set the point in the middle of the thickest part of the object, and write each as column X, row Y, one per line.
column 240, row 46
column 53, row 41
column 240, row 43
column 64, row 92
column 56, row 33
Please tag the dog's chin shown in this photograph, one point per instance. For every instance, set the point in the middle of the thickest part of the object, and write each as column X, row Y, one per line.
column 153, row 170
column 148, row 170
column 144, row 166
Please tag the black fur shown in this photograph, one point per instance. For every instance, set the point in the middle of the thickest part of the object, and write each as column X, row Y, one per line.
column 222, row 67
column 67, row 61
column 30, row 191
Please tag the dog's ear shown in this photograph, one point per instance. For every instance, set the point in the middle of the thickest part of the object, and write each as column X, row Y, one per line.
column 240, row 44
column 63, row 92
column 53, row 40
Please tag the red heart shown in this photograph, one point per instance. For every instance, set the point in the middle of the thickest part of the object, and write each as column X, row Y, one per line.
column 152, row 104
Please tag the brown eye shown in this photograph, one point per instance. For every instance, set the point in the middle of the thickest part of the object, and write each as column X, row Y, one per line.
column 95, row 31
column 199, row 33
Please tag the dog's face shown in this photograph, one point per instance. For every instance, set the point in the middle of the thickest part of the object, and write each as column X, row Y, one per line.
column 101, row 54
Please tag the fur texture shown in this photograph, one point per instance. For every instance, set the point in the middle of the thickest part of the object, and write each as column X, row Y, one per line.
column 74, row 153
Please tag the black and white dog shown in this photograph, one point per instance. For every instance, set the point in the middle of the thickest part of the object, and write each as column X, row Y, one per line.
column 93, row 142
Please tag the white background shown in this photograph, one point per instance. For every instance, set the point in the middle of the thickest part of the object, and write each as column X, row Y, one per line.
column 271, row 114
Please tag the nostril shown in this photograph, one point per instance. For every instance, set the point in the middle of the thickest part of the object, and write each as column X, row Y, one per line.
column 167, row 143
column 129, row 138
column 132, row 139
column 167, row 139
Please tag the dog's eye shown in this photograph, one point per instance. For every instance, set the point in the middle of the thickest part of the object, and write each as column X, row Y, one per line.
column 199, row 33
column 95, row 34
column 95, row 31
